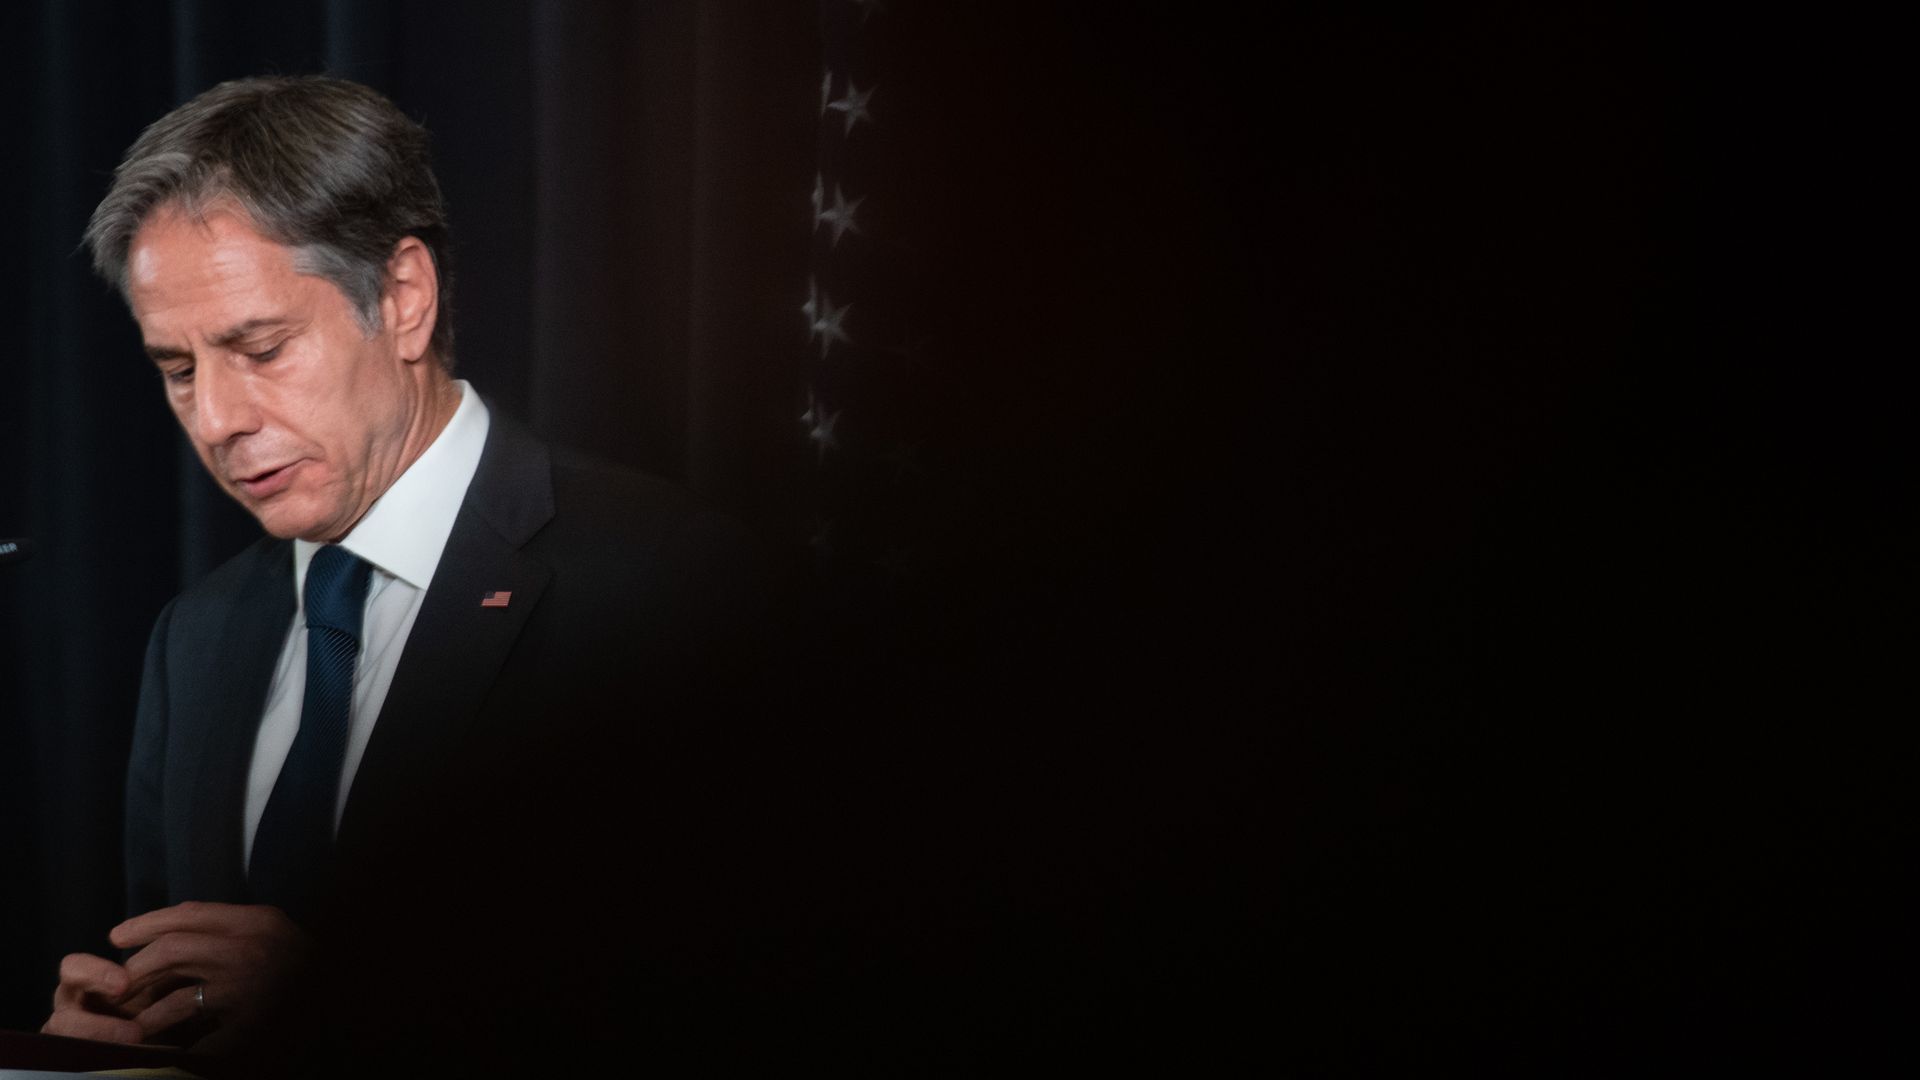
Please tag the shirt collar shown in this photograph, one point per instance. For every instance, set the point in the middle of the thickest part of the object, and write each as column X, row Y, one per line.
column 406, row 528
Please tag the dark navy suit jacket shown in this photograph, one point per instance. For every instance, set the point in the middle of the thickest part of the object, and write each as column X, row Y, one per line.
column 561, row 831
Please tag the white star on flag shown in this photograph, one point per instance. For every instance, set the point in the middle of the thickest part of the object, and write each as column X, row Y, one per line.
column 819, row 196
column 821, row 431
column 840, row 216
column 854, row 105
column 826, row 325
column 811, row 309
column 826, row 92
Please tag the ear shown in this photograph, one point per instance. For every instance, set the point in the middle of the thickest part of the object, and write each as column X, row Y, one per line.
column 411, row 304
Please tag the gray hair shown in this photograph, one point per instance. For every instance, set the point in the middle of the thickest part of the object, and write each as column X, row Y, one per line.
column 324, row 166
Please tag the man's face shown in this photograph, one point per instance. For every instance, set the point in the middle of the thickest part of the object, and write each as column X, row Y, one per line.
column 295, row 411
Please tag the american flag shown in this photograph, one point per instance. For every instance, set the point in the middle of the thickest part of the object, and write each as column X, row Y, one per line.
column 496, row 599
column 863, row 342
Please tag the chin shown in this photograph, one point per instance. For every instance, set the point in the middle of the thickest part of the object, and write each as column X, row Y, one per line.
column 280, row 530
column 287, row 523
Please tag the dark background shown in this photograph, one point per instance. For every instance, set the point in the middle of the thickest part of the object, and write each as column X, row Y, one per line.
column 1388, row 545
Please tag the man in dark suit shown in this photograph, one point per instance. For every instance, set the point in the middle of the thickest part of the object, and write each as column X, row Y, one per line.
column 444, row 765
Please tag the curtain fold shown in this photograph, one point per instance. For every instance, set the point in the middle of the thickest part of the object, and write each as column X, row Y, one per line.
column 594, row 299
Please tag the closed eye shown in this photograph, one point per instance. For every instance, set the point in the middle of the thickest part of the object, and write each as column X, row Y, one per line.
column 266, row 355
column 179, row 376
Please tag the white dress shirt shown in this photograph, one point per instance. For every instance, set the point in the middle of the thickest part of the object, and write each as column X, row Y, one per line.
column 402, row 536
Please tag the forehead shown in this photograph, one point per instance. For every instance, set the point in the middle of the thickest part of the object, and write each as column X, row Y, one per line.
column 181, row 263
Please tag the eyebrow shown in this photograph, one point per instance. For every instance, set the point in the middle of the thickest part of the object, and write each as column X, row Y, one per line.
column 159, row 353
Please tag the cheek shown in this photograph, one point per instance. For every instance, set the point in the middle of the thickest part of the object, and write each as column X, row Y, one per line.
column 183, row 413
column 303, row 415
column 205, row 454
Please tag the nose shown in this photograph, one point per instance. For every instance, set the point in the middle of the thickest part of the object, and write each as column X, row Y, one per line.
column 223, row 406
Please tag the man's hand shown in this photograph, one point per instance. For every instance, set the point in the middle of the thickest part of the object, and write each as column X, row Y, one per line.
column 87, row 1003
column 235, row 960
column 227, row 964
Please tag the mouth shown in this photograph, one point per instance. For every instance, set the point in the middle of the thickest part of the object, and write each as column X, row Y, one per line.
column 267, row 482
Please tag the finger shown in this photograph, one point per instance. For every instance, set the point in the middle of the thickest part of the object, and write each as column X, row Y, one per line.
column 175, row 1008
column 179, row 956
column 136, row 1000
column 155, row 987
column 197, row 916
column 80, row 1024
column 84, row 973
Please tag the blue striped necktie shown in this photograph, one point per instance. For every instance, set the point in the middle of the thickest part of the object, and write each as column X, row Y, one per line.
column 293, row 846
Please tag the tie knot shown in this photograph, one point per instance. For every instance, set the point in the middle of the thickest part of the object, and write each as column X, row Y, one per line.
column 336, row 589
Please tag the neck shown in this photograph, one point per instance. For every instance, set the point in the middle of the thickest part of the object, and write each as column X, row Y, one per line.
column 439, row 400
column 442, row 400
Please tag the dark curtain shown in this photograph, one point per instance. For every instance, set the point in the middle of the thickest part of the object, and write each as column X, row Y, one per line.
column 1368, row 534
column 571, row 140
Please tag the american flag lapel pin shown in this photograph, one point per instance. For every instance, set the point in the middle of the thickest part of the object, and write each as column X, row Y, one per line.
column 497, row 598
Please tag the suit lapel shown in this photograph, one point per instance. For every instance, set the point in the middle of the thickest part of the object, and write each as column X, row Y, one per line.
column 222, row 728
column 457, row 647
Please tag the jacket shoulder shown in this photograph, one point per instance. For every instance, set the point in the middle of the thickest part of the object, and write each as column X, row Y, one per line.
column 259, row 565
column 633, row 510
column 643, row 554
